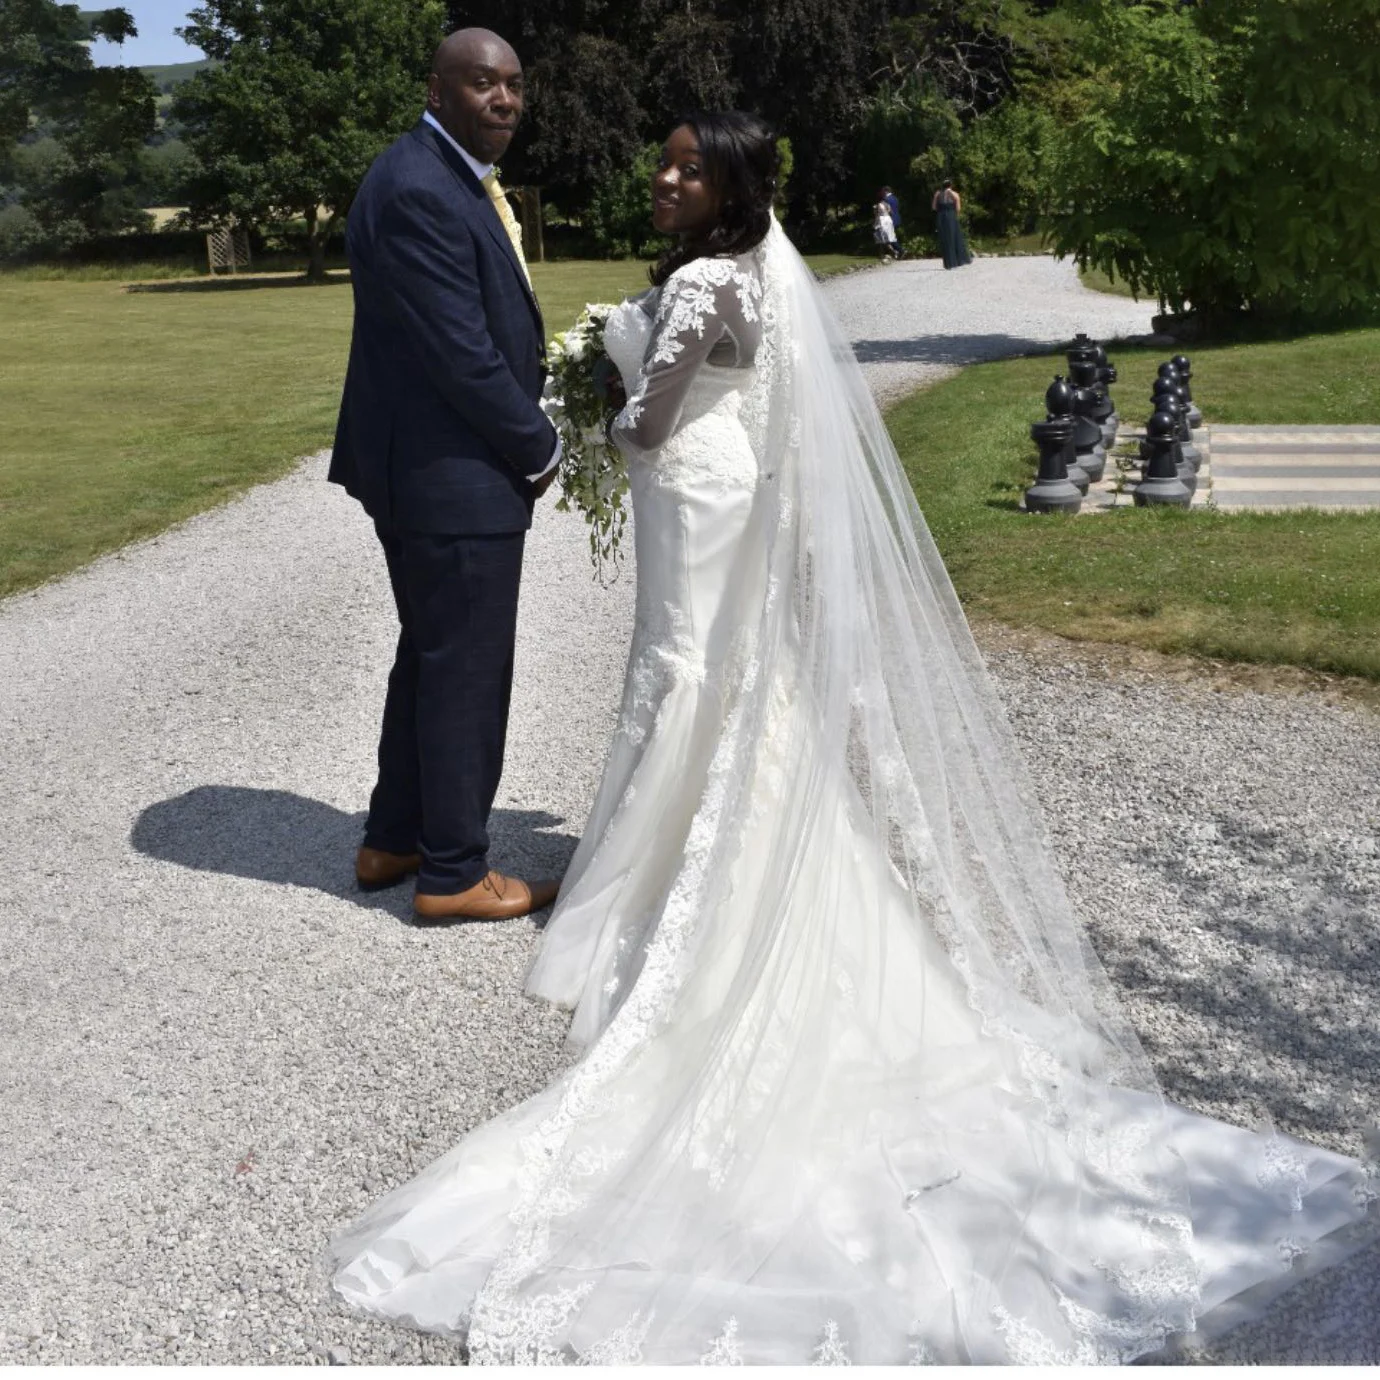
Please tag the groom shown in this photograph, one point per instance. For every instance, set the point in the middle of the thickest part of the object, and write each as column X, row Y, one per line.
column 441, row 439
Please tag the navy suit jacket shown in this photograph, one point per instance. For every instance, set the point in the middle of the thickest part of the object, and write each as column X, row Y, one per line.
column 439, row 428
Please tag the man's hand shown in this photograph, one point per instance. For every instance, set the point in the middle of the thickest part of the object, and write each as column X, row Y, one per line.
column 540, row 486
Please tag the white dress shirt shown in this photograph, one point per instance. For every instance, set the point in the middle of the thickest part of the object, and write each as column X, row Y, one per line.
column 481, row 171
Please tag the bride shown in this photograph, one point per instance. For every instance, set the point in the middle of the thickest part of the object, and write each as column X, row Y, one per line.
column 852, row 1085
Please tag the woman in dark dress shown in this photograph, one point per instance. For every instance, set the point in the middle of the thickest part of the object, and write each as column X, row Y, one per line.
column 947, row 204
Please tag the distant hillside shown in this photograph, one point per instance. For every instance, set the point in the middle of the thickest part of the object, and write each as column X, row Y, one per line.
column 172, row 74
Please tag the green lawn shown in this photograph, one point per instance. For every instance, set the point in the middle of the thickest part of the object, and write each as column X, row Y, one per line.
column 827, row 265
column 1298, row 588
column 127, row 411
column 1009, row 244
column 1099, row 281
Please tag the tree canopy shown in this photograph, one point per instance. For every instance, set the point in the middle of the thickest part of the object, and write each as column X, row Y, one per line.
column 304, row 94
column 1222, row 157
column 1227, row 157
column 605, row 79
column 70, row 132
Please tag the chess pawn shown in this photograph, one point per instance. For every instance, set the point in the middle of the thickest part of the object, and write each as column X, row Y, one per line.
column 1054, row 489
column 1161, row 485
column 1184, row 366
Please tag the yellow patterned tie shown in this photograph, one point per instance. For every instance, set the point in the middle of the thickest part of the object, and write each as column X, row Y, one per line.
column 505, row 214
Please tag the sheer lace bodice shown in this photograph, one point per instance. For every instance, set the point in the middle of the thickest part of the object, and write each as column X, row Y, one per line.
column 685, row 349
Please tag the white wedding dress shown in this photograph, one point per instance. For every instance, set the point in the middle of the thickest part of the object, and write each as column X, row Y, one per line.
column 852, row 1086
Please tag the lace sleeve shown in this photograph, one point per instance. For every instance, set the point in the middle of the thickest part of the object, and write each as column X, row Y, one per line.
column 708, row 313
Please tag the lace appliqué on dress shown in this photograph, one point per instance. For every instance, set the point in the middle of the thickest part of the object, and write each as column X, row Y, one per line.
column 832, row 1350
column 1283, row 1171
column 1096, row 1340
column 724, row 1349
column 696, row 366
column 508, row 1325
column 689, row 300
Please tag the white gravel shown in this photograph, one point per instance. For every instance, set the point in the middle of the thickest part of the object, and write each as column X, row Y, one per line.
column 216, row 1052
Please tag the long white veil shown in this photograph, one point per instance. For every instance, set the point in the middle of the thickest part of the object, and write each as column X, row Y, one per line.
column 893, row 671
column 859, row 1090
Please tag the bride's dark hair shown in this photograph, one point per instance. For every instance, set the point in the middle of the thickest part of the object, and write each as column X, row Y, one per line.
column 741, row 164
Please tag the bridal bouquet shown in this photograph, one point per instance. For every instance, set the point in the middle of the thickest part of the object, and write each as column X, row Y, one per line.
column 593, row 476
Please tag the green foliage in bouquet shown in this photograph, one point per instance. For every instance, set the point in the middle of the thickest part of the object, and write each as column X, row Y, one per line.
column 592, row 475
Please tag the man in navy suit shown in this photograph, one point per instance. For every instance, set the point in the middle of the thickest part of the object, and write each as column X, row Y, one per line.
column 442, row 440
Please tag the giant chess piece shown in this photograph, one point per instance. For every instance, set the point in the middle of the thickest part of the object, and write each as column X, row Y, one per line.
column 1106, row 376
column 1061, row 400
column 1184, row 366
column 1087, row 373
column 1053, row 490
column 1084, row 352
column 1088, row 446
column 1186, row 463
column 1161, row 486
column 1167, row 392
column 1083, row 349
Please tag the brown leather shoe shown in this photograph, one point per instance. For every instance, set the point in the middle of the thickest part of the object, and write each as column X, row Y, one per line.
column 495, row 898
column 375, row 869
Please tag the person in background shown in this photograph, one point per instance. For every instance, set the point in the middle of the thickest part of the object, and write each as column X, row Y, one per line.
column 892, row 201
column 884, row 230
column 954, row 248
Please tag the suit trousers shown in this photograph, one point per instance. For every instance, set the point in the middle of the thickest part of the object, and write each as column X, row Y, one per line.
column 446, row 714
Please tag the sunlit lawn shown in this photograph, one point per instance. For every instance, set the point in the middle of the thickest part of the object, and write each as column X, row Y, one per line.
column 1296, row 588
column 127, row 411
column 1099, row 281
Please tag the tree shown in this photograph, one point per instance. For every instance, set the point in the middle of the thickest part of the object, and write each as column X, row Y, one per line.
column 607, row 77
column 89, row 121
column 974, row 53
column 959, row 91
column 304, row 96
column 1229, row 157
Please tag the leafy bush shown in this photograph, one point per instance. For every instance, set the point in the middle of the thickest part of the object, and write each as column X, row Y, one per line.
column 166, row 170
column 999, row 167
column 618, row 216
column 786, row 154
column 21, row 236
column 909, row 137
column 1227, row 158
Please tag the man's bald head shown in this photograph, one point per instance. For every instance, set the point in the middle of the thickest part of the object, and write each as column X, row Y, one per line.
column 472, row 45
column 475, row 91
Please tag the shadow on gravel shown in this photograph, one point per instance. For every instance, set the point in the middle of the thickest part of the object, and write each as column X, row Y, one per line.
column 290, row 840
column 1290, row 998
column 948, row 349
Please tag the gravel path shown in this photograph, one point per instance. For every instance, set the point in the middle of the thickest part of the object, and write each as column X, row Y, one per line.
column 913, row 321
column 217, row 1052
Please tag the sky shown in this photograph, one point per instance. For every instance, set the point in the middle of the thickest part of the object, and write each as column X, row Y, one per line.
column 156, row 44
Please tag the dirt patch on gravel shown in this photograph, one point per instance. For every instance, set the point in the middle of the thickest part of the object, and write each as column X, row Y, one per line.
column 1116, row 661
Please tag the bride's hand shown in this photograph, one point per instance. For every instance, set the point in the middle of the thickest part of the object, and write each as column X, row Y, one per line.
column 608, row 384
